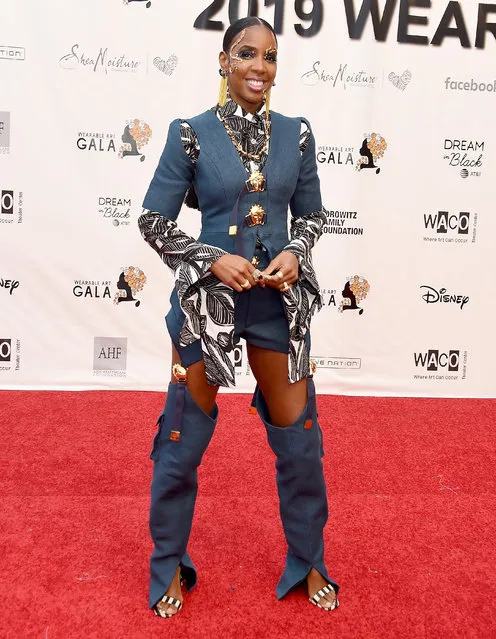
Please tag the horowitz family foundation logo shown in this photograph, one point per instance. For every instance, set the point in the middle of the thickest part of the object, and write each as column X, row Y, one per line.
column 466, row 156
column 131, row 282
column 373, row 148
column 441, row 365
column 135, row 136
column 355, row 291
column 342, row 76
column 110, row 356
column 400, row 81
column 342, row 223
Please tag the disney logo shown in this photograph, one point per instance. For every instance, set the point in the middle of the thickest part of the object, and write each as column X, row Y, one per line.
column 431, row 296
column 342, row 76
column 10, row 285
column 103, row 60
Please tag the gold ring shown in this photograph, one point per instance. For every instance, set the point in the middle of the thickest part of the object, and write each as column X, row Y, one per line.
column 245, row 284
column 257, row 275
column 285, row 286
column 279, row 274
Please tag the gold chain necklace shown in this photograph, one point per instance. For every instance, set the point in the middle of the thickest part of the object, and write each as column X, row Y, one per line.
column 239, row 149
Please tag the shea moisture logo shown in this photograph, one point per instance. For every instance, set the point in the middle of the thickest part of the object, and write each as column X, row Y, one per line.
column 433, row 295
column 400, row 81
column 464, row 155
column 101, row 60
column 343, row 77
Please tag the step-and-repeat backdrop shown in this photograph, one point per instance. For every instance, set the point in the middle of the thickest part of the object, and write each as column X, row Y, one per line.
column 401, row 95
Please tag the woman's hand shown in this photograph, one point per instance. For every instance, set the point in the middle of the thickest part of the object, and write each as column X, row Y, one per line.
column 234, row 271
column 282, row 271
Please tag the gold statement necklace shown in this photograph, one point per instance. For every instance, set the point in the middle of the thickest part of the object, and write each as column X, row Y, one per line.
column 237, row 145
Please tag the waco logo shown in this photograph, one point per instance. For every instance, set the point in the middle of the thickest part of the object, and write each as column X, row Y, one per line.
column 433, row 360
column 442, row 222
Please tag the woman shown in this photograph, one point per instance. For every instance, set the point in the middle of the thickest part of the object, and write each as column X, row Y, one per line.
column 242, row 165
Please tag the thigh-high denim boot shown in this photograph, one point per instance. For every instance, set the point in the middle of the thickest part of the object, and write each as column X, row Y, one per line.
column 302, row 491
column 175, row 486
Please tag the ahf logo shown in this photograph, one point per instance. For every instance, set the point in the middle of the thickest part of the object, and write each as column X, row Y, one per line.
column 110, row 354
column 4, row 132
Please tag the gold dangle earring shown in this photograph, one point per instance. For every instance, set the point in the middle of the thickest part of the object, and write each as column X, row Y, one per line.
column 267, row 103
column 223, row 88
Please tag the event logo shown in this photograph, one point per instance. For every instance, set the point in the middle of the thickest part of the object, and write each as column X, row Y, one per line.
column 400, row 81
column 148, row 3
column 450, row 227
column 94, row 289
column 372, row 149
column 116, row 209
column 465, row 155
column 101, row 61
column 166, row 66
column 470, row 85
column 328, row 297
column 9, row 285
column 335, row 155
column 10, row 202
column 341, row 363
column 110, row 356
column 136, row 134
column 441, row 296
column 131, row 281
column 10, row 354
column 4, row 132
column 12, row 53
column 438, row 361
column 452, row 24
column 342, row 77
column 355, row 290
column 342, row 223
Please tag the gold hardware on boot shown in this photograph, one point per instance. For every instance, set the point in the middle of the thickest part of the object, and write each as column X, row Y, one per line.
column 175, row 436
column 180, row 373
column 256, row 216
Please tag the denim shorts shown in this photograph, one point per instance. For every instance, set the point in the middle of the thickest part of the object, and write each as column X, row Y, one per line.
column 259, row 318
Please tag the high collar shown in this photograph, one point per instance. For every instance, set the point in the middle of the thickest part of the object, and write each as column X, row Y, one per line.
column 232, row 108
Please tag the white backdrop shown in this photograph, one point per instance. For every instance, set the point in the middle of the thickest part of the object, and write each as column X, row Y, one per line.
column 74, row 74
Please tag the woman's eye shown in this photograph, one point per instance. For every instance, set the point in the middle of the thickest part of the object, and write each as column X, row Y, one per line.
column 245, row 55
column 271, row 57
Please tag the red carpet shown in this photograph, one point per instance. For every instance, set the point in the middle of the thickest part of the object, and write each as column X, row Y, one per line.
column 411, row 538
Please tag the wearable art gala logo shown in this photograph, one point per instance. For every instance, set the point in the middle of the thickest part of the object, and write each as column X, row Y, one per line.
column 372, row 150
column 130, row 283
column 136, row 134
column 355, row 290
column 466, row 156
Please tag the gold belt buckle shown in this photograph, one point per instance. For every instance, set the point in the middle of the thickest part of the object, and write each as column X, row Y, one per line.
column 256, row 216
column 255, row 183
